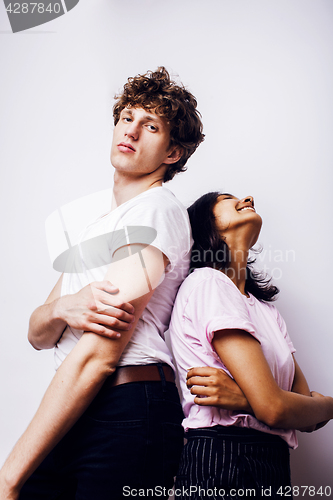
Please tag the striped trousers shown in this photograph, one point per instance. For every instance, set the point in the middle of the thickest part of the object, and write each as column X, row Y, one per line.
column 223, row 463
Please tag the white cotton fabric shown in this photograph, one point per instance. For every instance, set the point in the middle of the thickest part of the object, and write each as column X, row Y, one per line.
column 209, row 301
column 156, row 208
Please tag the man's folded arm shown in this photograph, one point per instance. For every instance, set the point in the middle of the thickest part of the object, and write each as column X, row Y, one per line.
column 81, row 375
column 97, row 308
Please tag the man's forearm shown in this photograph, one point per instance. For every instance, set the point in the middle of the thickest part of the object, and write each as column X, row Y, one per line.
column 46, row 326
column 72, row 389
column 76, row 383
column 96, row 308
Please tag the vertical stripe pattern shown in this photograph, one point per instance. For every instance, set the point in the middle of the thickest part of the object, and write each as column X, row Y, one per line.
column 217, row 460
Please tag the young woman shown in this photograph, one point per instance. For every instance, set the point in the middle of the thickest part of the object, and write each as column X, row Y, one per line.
column 223, row 318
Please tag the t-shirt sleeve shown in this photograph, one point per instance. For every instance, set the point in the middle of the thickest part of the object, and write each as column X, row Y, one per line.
column 284, row 331
column 216, row 305
column 160, row 222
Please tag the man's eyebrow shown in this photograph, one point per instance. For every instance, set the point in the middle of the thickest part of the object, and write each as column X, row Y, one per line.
column 149, row 117
column 154, row 118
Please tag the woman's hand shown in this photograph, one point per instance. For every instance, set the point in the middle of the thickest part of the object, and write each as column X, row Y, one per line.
column 213, row 387
column 312, row 428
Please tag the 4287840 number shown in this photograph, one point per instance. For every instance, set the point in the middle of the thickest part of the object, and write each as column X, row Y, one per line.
column 289, row 491
column 33, row 7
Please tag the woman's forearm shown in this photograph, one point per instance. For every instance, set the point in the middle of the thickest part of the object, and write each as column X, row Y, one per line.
column 290, row 410
column 244, row 358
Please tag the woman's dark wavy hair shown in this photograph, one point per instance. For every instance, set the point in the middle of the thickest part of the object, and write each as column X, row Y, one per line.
column 209, row 250
column 156, row 91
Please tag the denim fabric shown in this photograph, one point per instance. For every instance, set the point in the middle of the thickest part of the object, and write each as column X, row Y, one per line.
column 130, row 435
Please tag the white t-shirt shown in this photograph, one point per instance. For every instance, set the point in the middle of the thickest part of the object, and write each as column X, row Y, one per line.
column 208, row 301
column 154, row 217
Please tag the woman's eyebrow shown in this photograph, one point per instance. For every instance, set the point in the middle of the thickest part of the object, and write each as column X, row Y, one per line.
column 228, row 194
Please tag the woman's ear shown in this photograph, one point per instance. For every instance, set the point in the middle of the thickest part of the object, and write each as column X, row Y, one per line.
column 175, row 154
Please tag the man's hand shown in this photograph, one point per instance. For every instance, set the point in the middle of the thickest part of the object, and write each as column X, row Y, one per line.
column 96, row 309
column 213, row 387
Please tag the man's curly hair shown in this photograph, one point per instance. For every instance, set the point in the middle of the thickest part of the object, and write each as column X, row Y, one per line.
column 155, row 91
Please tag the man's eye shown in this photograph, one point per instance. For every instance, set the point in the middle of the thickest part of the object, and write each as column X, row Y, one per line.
column 152, row 128
column 127, row 119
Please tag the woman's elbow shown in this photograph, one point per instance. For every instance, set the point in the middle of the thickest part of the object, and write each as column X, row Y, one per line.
column 272, row 414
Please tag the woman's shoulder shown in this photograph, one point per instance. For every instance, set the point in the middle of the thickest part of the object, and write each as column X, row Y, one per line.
column 205, row 277
column 214, row 275
column 267, row 307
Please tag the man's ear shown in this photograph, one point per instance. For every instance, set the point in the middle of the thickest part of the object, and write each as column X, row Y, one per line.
column 175, row 154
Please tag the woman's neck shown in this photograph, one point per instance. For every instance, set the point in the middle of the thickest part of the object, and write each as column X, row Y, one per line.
column 236, row 269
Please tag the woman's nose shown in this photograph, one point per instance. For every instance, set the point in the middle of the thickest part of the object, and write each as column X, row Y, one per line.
column 249, row 199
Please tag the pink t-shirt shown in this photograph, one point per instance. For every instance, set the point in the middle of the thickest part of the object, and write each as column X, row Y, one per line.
column 209, row 301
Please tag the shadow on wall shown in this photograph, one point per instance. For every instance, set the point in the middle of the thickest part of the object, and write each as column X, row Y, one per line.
column 313, row 449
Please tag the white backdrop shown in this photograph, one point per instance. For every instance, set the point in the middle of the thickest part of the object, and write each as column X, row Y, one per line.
column 262, row 73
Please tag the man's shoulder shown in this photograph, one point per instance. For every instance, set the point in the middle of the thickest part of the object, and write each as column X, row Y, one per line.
column 159, row 197
column 158, row 204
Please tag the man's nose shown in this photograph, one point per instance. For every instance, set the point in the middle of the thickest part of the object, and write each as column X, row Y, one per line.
column 132, row 130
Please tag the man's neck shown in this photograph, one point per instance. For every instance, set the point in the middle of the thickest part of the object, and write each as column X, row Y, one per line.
column 125, row 188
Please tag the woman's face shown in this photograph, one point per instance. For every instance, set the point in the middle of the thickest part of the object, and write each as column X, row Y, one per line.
column 237, row 220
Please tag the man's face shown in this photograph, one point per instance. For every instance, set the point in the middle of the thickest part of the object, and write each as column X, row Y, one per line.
column 141, row 143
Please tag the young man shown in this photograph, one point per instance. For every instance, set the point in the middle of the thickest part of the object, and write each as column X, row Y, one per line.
column 110, row 421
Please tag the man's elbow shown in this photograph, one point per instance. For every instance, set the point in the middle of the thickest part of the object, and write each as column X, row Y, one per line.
column 32, row 340
column 97, row 354
column 100, row 369
column 38, row 343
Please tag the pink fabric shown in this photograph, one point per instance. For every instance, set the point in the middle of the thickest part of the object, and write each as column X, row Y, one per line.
column 208, row 301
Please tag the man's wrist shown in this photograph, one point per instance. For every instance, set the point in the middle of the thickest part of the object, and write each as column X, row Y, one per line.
column 58, row 310
column 9, row 486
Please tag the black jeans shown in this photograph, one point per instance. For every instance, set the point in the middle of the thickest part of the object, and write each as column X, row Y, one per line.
column 129, row 438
